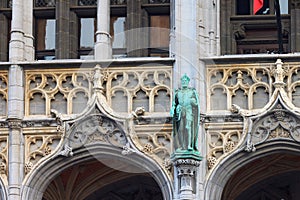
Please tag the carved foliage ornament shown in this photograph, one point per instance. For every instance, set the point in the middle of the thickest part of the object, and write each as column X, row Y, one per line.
column 3, row 92
column 38, row 147
column 278, row 124
column 94, row 129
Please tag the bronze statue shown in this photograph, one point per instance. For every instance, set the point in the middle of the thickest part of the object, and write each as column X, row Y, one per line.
column 185, row 112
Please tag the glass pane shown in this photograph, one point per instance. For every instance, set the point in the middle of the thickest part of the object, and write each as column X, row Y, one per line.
column 45, row 34
column 284, row 6
column 118, row 32
column 243, row 7
column 87, row 32
column 160, row 30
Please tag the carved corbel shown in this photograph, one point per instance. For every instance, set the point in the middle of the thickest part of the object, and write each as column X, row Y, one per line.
column 295, row 4
column 239, row 32
column 59, row 121
column 186, row 174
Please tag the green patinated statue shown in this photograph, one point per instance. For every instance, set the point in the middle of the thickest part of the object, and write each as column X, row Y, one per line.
column 185, row 112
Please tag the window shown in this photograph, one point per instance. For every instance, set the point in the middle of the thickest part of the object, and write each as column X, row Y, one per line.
column 87, row 37
column 118, row 34
column 159, row 35
column 44, row 29
column 159, row 23
column 245, row 7
column 5, row 24
column 45, row 39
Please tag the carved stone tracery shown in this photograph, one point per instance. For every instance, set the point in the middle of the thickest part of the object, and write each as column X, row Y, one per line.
column 95, row 128
column 271, row 111
column 278, row 124
column 61, row 87
column 3, row 92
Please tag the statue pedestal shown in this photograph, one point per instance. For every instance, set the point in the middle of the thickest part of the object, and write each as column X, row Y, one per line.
column 186, row 167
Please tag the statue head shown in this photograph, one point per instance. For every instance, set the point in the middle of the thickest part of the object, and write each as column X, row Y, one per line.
column 185, row 81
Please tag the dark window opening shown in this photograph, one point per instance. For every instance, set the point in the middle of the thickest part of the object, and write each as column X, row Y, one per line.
column 243, row 7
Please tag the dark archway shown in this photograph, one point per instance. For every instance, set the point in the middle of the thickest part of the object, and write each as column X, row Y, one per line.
column 133, row 188
column 283, row 186
column 99, row 160
column 274, row 176
column 97, row 181
column 233, row 175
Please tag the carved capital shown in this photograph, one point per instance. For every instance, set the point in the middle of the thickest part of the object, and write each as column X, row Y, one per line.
column 14, row 123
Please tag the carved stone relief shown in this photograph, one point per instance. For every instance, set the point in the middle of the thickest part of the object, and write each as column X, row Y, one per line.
column 271, row 115
column 46, row 89
column 279, row 123
column 38, row 147
column 3, row 92
column 3, row 155
column 149, row 87
column 247, row 86
column 95, row 128
column 155, row 141
column 222, row 139
column 251, row 86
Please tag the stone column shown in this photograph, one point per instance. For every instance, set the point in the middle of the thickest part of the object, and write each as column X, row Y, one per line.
column 185, row 174
column 16, row 143
column 184, row 40
column 28, row 35
column 103, row 48
column 16, row 45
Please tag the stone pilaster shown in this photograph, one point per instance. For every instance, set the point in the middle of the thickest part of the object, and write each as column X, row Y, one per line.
column 16, row 143
column 103, row 48
column 184, row 40
column 16, row 45
column 21, row 42
column 185, row 173
column 28, row 34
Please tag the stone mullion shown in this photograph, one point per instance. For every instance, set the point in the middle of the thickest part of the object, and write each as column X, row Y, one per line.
column 62, row 29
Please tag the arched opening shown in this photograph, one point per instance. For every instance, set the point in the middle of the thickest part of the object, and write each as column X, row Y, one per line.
column 95, row 172
column 96, row 180
column 242, row 170
column 274, row 176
